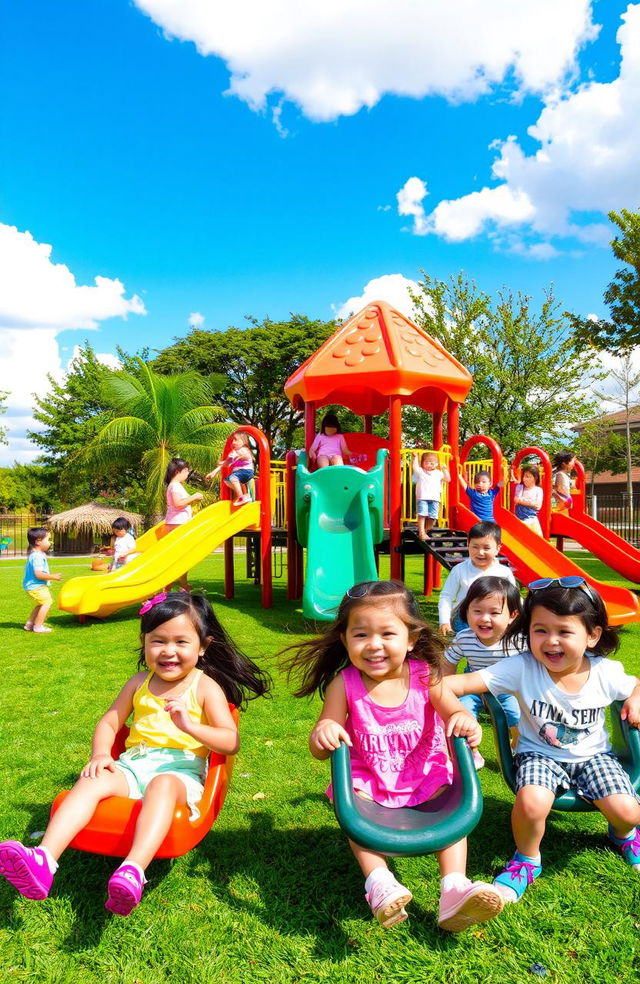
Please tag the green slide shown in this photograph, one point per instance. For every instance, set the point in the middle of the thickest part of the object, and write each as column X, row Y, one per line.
column 339, row 515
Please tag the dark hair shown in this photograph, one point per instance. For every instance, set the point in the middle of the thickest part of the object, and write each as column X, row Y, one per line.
column 330, row 420
column 319, row 660
column 563, row 458
column 589, row 608
column 33, row 535
column 175, row 465
column 486, row 528
column 240, row 679
column 533, row 470
column 481, row 474
column 484, row 587
column 120, row 524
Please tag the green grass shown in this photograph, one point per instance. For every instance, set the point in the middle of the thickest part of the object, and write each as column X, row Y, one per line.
column 273, row 893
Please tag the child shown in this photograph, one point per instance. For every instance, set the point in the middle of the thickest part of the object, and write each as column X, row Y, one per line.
column 528, row 498
column 180, row 713
column 329, row 446
column 484, row 541
column 563, row 685
column 36, row 575
column 562, row 467
column 242, row 468
column 377, row 669
column 428, row 477
column 124, row 543
column 179, row 503
column 489, row 607
column 481, row 496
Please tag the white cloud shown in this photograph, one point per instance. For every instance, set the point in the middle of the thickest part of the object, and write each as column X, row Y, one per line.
column 196, row 320
column 391, row 287
column 410, row 198
column 586, row 162
column 38, row 300
column 335, row 57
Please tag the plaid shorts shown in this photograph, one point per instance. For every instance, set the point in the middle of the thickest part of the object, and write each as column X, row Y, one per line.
column 600, row 776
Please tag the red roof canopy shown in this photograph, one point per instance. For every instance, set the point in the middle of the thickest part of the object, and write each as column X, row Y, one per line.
column 376, row 354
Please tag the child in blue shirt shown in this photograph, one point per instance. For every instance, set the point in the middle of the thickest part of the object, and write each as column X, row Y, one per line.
column 481, row 496
column 36, row 576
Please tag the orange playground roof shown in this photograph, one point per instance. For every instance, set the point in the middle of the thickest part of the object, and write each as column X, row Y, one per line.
column 376, row 354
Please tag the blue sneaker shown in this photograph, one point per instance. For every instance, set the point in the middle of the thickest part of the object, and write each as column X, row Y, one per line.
column 516, row 876
column 629, row 849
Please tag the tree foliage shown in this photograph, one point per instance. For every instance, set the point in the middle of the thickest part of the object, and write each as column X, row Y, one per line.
column 621, row 330
column 528, row 367
column 24, row 486
column 155, row 418
column 3, row 410
column 256, row 362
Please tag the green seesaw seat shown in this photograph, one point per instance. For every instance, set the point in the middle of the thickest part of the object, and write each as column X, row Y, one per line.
column 625, row 741
column 408, row 831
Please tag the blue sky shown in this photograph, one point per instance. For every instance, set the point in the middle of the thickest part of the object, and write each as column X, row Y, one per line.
column 280, row 157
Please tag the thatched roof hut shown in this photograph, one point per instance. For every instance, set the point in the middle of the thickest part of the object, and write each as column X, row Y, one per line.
column 76, row 530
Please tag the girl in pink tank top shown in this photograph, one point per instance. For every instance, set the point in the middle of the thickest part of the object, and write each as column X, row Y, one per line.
column 378, row 670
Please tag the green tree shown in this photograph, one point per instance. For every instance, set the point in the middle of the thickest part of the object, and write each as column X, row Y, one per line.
column 621, row 330
column 255, row 361
column 528, row 367
column 156, row 418
column 3, row 409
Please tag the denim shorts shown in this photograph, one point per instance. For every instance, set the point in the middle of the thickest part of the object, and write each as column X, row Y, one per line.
column 428, row 507
column 243, row 475
column 510, row 706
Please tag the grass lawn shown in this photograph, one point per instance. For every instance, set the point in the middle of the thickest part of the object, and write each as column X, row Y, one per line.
column 273, row 892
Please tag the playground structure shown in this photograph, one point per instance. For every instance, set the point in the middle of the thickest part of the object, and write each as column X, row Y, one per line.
column 345, row 516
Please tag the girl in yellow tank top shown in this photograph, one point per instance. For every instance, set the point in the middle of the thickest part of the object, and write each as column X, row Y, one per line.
column 180, row 709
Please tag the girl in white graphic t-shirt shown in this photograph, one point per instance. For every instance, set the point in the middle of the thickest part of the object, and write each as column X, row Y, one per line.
column 563, row 683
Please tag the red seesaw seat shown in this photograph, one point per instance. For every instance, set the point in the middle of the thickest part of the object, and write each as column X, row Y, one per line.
column 110, row 830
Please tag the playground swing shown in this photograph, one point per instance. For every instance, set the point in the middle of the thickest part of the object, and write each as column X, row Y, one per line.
column 409, row 831
column 625, row 741
column 110, row 830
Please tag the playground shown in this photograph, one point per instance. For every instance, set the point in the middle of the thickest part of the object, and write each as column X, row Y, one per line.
column 271, row 893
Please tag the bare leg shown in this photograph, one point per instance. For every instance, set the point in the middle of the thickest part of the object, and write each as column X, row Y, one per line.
column 622, row 812
column 323, row 461
column 33, row 614
column 234, row 487
column 368, row 860
column 453, row 859
column 78, row 808
column 529, row 818
column 336, row 459
column 40, row 616
column 160, row 799
column 428, row 523
column 421, row 524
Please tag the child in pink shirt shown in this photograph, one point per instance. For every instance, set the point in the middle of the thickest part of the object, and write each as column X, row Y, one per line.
column 329, row 446
column 377, row 668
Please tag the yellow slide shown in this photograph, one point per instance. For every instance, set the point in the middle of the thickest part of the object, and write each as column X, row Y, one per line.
column 161, row 562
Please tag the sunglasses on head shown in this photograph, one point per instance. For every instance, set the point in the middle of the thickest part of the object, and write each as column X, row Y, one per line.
column 361, row 590
column 569, row 581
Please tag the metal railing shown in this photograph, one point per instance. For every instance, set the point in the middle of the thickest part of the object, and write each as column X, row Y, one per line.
column 616, row 511
column 13, row 532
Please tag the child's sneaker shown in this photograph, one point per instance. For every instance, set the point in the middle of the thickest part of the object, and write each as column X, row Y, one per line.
column 464, row 906
column 42, row 628
column 478, row 760
column 387, row 900
column 516, row 875
column 629, row 848
column 26, row 868
column 125, row 889
column 242, row 500
column 28, row 626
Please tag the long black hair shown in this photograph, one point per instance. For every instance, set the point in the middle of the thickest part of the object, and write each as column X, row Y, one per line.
column 319, row 660
column 238, row 676
column 582, row 601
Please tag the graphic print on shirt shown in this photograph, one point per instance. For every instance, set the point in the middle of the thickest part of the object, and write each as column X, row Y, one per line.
column 556, row 730
column 391, row 746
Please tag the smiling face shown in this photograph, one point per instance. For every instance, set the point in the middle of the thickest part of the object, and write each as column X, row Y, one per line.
column 482, row 483
column 173, row 648
column 559, row 642
column 429, row 462
column 488, row 618
column 483, row 550
column 377, row 641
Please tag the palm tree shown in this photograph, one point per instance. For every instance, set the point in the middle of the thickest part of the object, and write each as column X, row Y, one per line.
column 159, row 418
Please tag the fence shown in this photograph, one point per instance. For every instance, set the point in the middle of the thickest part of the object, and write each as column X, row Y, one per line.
column 618, row 513
column 13, row 532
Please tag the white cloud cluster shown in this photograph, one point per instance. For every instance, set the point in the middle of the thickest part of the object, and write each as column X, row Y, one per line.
column 196, row 320
column 391, row 287
column 335, row 57
column 587, row 161
column 38, row 300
